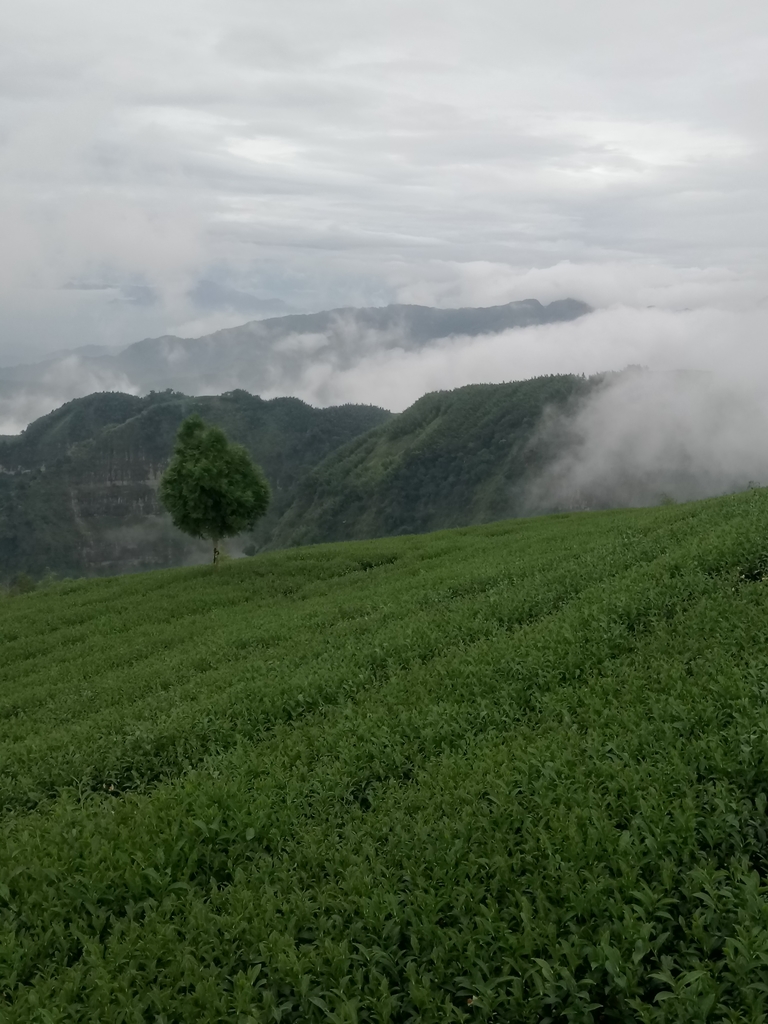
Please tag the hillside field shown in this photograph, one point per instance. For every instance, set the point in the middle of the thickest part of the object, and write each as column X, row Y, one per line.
column 509, row 773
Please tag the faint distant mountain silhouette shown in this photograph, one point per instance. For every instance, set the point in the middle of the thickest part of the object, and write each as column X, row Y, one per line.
column 263, row 356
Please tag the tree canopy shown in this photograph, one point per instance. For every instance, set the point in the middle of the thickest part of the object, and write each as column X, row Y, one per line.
column 212, row 488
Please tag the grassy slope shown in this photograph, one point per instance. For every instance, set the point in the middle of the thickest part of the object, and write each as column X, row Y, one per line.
column 454, row 458
column 509, row 773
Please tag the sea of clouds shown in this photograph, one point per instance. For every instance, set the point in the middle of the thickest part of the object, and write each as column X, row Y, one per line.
column 693, row 422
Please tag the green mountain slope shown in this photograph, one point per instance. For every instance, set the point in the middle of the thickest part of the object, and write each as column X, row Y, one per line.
column 510, row 773
column 453, row 458
column 78, row 488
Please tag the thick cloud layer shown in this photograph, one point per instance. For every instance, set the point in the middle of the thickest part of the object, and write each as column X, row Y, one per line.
column 647, row 437
column 181, row 167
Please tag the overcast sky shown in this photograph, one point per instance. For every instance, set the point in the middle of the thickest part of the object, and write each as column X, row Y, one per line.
column 175, row 167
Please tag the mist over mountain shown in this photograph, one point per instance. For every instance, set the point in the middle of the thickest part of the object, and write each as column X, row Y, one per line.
column 453, row 458
column 552, row 444
column 642, row 437
column 277, row 356
column 78, row 488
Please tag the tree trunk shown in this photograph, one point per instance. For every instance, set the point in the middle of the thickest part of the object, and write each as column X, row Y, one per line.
column 216, row 551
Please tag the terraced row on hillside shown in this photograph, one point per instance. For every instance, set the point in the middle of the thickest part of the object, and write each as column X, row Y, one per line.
column 508, row 773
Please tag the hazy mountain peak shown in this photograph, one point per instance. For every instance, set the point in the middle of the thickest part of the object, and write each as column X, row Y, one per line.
column 298, row 353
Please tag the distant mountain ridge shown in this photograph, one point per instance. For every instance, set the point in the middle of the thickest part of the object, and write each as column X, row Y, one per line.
column 413, row 324
column 267, row 351
column 262, row 356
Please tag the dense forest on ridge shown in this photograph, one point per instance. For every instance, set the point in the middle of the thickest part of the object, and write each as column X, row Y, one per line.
column 78, row 488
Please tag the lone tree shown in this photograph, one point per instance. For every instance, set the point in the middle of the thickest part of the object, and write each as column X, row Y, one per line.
column 211, row 488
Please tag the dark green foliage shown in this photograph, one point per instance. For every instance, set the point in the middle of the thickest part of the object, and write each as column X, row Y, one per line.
column 87, row 503
column 453, row 458
column 211, row 488
column 78, row 489
column 514, row 773
column 756, row 570
column 21, row 584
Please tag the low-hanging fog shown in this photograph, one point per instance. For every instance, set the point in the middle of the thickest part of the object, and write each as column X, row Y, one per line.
column 655, row 316
column 688, row 418
column 644, row 438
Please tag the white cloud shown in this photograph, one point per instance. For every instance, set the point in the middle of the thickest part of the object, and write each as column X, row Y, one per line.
column 706, row 340
column 611, row 282
column 644, row 437
column 264, row 150
column 349, row 154
column 70, row 377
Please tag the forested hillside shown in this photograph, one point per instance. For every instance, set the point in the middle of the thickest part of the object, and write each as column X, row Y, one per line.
column 512, row 773
column 78, row 488
column 452, row 459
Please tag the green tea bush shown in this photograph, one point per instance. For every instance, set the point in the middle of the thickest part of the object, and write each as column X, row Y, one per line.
column 21, row 583
column 511, row 773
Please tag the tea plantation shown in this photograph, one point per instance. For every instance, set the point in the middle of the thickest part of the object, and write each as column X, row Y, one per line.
column 514, row 773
